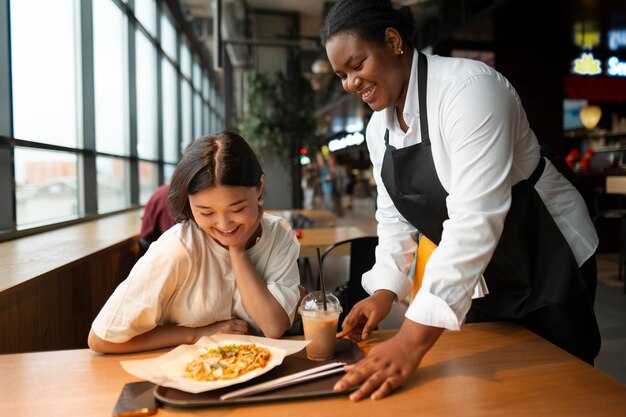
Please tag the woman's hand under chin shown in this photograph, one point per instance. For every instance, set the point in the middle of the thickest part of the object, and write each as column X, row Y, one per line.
column 247, row 240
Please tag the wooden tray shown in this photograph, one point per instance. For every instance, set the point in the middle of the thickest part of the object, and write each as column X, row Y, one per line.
column 346, row 350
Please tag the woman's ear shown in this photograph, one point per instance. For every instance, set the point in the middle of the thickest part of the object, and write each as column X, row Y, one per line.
column 393, row 40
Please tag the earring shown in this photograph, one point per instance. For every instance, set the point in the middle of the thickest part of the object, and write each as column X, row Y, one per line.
column 399, row 52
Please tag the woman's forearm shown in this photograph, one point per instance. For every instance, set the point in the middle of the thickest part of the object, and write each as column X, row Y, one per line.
column 157, row 338
column 257, row 299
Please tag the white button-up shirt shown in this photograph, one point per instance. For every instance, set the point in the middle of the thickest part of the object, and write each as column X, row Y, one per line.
column 482, row 145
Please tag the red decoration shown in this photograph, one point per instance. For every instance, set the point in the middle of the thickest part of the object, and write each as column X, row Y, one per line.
column 597, row 88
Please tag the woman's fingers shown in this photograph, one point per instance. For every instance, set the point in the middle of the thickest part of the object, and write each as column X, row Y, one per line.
column 386, row 368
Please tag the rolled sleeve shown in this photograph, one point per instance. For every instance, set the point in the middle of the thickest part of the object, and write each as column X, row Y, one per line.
column 381, row 278
column 430, row 310
column 287, row 297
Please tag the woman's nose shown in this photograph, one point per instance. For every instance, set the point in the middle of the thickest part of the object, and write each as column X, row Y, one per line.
column 223, row 221
column 353, row 83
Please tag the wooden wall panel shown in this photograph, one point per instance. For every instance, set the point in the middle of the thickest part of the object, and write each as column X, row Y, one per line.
column 55, row 311
column 28, row 319
column 8, row 324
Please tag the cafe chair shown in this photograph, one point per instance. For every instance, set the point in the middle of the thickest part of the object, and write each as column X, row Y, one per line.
column 362, row 259
column 616, row 185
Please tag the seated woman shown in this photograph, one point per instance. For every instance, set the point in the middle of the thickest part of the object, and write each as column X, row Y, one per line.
column 225, row 267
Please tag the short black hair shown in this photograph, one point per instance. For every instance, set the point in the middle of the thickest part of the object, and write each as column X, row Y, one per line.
column 209, row 161
column 368, row 19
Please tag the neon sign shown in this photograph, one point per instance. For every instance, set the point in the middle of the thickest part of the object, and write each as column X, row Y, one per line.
column 615, row 67
column 586, row 34
column 352, row 139
column 617, row 39
column 587, row 65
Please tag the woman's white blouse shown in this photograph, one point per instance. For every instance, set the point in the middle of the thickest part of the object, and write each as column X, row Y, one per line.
column 482, row 145
column 186, row 279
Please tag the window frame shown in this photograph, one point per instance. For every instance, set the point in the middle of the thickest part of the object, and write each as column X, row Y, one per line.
column 86, row 152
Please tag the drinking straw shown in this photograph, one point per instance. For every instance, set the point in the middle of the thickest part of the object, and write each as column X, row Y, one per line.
column 319, row 262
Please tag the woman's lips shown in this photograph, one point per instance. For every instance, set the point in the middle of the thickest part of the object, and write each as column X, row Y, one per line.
column 226, row 233
column 367, row 94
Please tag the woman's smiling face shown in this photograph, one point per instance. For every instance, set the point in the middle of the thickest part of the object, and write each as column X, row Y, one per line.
column 370, row 70
column 227, row 213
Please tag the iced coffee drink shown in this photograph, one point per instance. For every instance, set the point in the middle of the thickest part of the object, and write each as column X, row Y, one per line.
column 320, row 326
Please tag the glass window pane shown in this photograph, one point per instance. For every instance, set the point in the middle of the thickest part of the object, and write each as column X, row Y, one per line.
column 145, row 12
column 170, row 111
column 110, row 78
column 205, row 87
column 148, row 180
column 197, row 115
column 44, row 70
column 146, row 76
column 168, row 170
column 168, row 35
column 197, row 75
column 113, row 183
column 185, row 59
column 206, row 114
column 46, row 186
column 185, row 111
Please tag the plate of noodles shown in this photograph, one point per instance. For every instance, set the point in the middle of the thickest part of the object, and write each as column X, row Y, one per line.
column 214, row 362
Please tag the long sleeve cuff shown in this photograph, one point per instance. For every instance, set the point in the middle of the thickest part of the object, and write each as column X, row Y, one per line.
column 430, row 310
column 380, row 278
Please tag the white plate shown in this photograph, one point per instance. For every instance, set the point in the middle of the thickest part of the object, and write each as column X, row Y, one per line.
column 167, row 370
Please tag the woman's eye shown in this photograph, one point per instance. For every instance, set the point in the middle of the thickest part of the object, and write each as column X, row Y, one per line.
column 358, row 66
column 206, row 214
column 238, row 210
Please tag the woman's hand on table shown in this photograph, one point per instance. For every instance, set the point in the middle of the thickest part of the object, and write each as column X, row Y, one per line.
column 390, row 364
column 232, row 326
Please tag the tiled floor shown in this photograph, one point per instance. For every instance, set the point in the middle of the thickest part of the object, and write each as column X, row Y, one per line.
column 610, row 298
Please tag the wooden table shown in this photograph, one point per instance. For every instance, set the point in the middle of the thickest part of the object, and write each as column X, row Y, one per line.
column 322, row 237
column 487, row 369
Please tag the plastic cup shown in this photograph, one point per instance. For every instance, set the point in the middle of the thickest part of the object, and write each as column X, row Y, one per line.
column 320, row 326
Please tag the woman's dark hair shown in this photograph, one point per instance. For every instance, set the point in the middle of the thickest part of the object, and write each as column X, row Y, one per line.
column 368, row 19
column 224, row 159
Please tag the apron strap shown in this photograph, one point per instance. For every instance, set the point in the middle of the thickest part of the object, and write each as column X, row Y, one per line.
column 534, row 177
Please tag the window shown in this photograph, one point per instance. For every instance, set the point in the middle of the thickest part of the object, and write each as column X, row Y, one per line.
column 76, row 118
column 113, row 183
column 148, row 180
column 197, row 115
column 110, row 78
column 169, row 82
column 185, row 59
column 46, row 186
column 186, row 113
column 168, row 36
column 45, row 71
column 145, row 11
column 147, row 106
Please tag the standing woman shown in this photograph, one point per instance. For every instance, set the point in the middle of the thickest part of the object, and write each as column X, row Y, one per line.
column 456, row 162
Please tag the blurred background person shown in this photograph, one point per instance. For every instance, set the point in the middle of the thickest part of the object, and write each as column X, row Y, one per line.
column 156, row 218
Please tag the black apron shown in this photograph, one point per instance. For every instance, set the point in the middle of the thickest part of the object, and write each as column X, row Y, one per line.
column 533, row 265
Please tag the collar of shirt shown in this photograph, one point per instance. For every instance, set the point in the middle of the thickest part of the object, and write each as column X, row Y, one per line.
column 398, row 138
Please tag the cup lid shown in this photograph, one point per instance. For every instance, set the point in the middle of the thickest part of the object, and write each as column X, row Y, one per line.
column 314, row 302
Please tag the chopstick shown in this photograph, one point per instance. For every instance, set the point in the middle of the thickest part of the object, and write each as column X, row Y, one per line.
column 306, row 375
